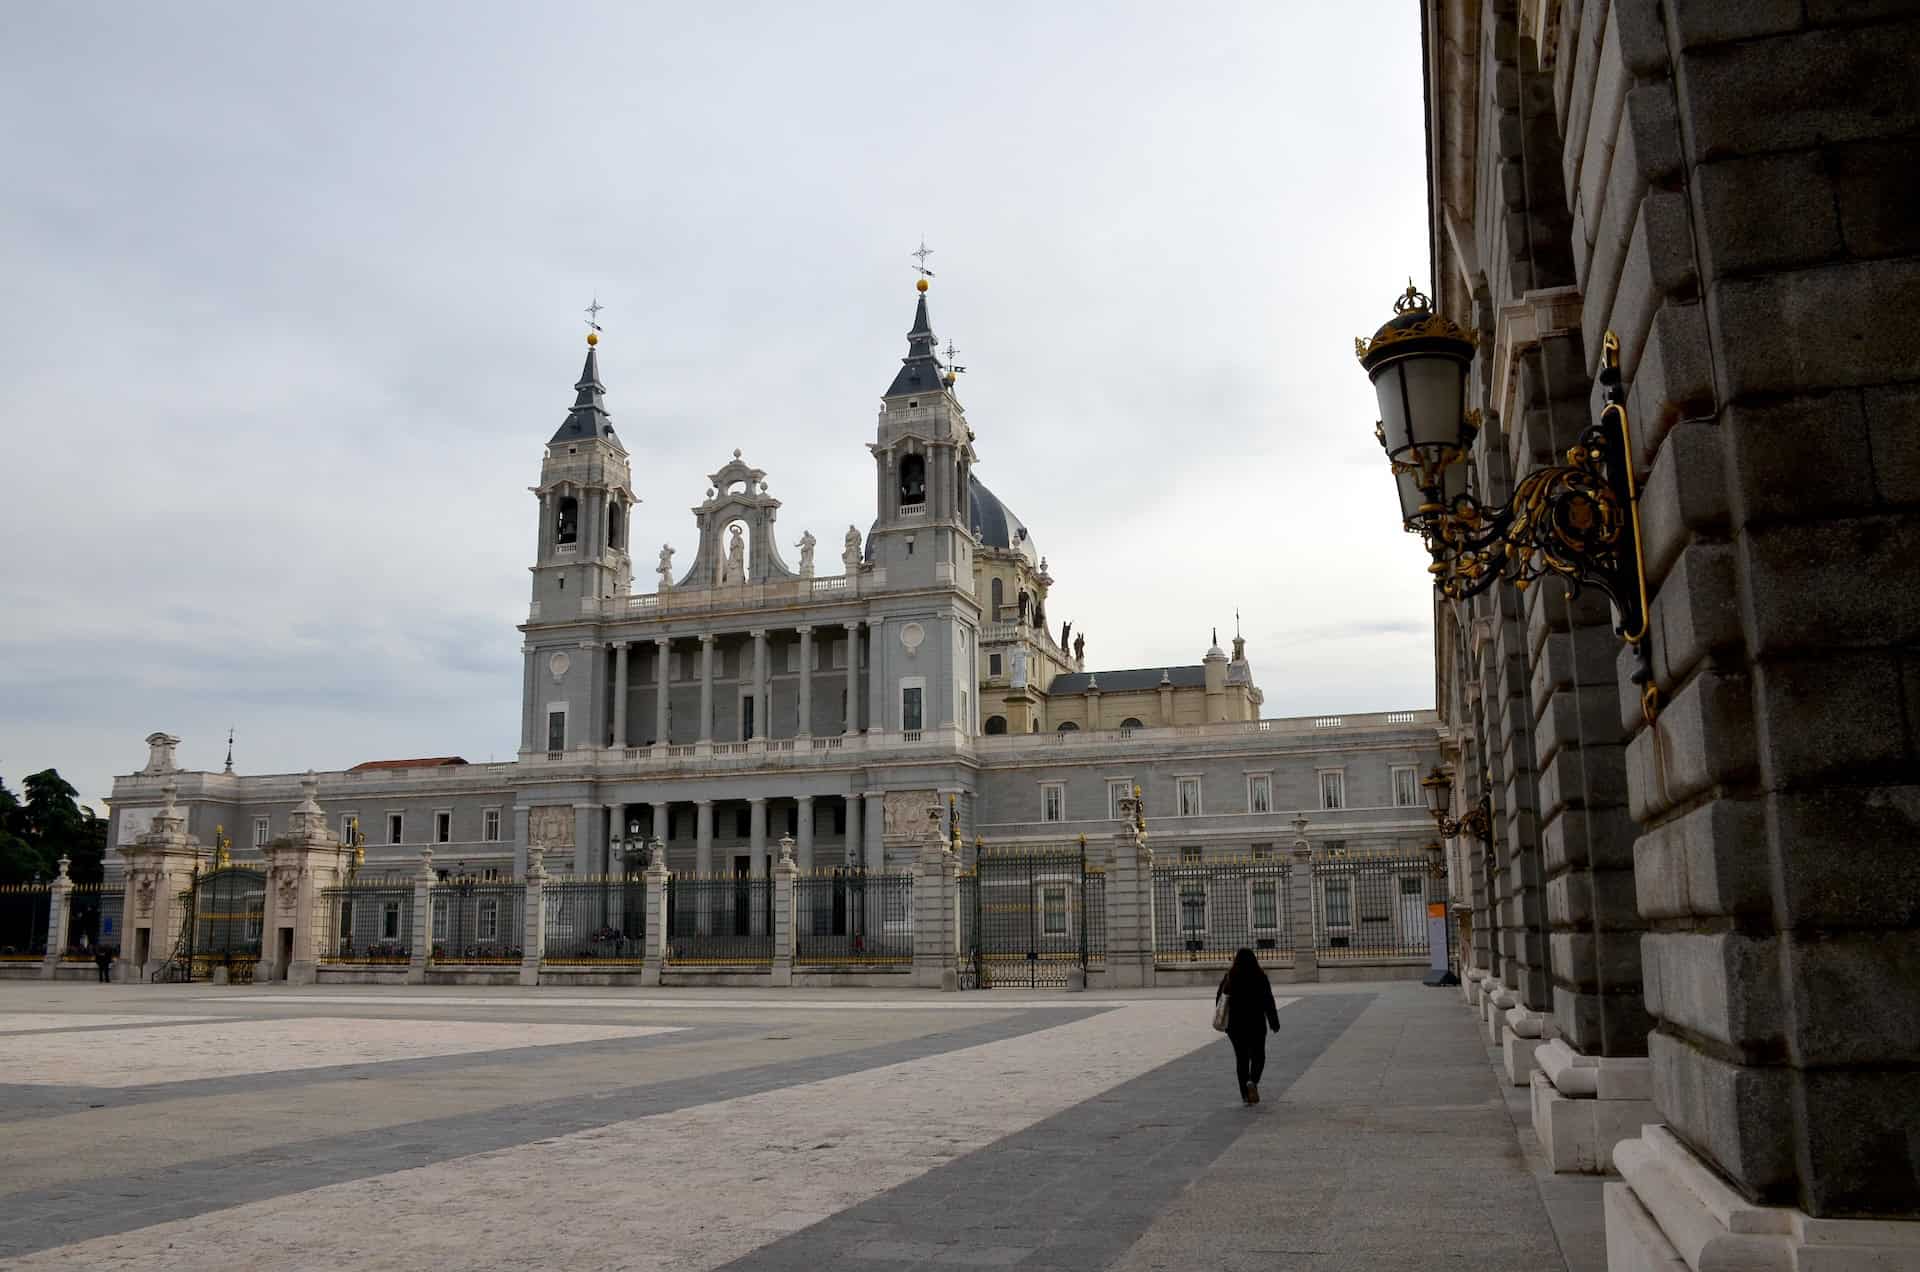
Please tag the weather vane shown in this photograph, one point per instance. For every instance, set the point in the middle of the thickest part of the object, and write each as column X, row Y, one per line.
column 593, row 313
column 920, row 266
column 951, row 353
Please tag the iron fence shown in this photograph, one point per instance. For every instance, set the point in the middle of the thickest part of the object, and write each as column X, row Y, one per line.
column 477, row 921
column 94, row 913
column 369, row 923
column 24, row 912
column 852, row 918
column 720, row 921
column 972, row 959
column 1371, row 907
column 1093, row 909
column 597, row 920
column 1029, row 924
column 1203, row 912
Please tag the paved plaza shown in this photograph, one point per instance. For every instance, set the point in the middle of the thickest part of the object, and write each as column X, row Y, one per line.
column 194, row 1127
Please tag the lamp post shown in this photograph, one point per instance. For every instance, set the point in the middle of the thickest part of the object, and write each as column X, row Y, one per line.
column 630, row 845
column 1578, row 521
column 1476, row 821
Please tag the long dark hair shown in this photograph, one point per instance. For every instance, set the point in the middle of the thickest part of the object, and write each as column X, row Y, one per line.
column 1246, row 969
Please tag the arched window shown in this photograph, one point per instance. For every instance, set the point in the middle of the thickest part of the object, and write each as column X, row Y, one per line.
column 566, row 520
column 613, row 525
column 1067, row 726
column 996, row 725
column 998, row 594
column 1131, row 723
column 1033, row 726
column 913, row 480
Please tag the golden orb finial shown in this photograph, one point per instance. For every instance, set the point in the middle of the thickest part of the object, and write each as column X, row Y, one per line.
column 593, row 338
column 920, row 284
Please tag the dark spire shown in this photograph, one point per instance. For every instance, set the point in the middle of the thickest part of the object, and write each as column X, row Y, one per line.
column 589, row 417
column 920, row 371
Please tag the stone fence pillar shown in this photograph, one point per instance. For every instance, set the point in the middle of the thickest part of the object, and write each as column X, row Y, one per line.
column 59, row 901
column 301, row 866
column 533, row 917
column 1300, row 892
column 657, row 883
column 784, row 873
column 1130, row 918
column 422, row 946
column 936, row 932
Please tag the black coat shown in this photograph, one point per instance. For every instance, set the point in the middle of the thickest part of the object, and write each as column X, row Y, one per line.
column 1250, row 1006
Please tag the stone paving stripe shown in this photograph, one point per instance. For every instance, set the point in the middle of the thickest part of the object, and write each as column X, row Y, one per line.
column 14, row 1023
column 1076, row 1190
column 158, row 1192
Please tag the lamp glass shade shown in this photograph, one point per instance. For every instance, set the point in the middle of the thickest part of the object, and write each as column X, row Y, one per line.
column 1407, row 482
column 1422, row 396
column 1438, row 787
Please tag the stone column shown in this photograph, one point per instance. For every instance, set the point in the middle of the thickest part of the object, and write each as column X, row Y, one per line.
column 703, row 858
column 1300, row 897
column 853, row 683
column 533, row 946
column 757, row 835
column 936, row 935
column 759, row 692
column 657, row 884
column 663, row 689
column 856, row 818
column 784, row 871
column 59, row 901
column 803, row 824
column 876, row 839
column 419, row 955
column 521, row 837
column 806, row 683
column 663, row 826
column 1129, row 910
column 586, row 818
column 617, row 815
column 706, row 688
column 620, row 693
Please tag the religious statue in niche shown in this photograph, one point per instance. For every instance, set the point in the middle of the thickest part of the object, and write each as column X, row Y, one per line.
column 143, row 895
column 665, row 568
column 1018, row 676
column 1023, row 606
column 806, row 554
column 735, row 570
column 289, row 889
column 850, row 555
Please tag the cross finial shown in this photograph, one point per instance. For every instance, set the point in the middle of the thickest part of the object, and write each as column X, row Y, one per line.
column 229, row 750
column 920, row 254
column 952, row 353
column 593, row 313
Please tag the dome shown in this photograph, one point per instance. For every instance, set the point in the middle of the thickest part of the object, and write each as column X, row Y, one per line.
column 995, row 525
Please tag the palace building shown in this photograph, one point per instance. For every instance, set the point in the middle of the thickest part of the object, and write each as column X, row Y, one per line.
column 741, row 698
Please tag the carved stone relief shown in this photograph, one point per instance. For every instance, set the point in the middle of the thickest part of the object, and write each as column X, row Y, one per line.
column 551, row 826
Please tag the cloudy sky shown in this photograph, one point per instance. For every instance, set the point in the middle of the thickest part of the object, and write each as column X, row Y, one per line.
column 293, row 301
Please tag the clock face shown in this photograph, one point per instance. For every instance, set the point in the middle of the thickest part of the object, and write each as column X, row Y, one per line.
column 558, row 665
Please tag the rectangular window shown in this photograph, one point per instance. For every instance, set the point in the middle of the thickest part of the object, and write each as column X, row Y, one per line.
column 390, row 921
column 349, row 828
column 910, row 707
column 443, row 828
column 1263, row 899
column 837, row 655
column 1259, row 793
column 439, row 918
column 1339, row 903
column 742, row 822
column 556, row 730
column 1406, row 787
column 1053, row 802
column 1117, row 790
column 1263, row 852
column 1190, row 855
column 1189, row 793
column 487, row 928
column 1333, row 789
column 262, row 827
column 1053, row 911
column 993, row 664
column 790, row 657
column 490, row 826
column 396, row 826
column 346, row 919
column 1193, row 911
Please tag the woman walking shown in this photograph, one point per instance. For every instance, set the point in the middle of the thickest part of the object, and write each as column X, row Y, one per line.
column 1248, row 995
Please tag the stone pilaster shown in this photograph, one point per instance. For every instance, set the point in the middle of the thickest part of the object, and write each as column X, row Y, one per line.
column 159, row 867
column 300, row 867
column 1129, row 905
column 533, row 947
column 657, row 883
column 1300, row 898
column 936, row 935
column 784, row 873
column 59, row 907
column 421, row 951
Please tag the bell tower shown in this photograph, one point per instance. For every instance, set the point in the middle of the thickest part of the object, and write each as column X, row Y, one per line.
column 585, row 505
column 922, row 454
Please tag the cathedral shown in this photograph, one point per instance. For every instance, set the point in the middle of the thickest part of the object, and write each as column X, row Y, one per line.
column 742, row 699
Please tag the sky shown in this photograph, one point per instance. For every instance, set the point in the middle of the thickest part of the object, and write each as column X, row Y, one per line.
column 293, row 300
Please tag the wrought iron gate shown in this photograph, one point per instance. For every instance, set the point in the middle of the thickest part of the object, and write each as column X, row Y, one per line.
column 225, row 914
column 1025, row 919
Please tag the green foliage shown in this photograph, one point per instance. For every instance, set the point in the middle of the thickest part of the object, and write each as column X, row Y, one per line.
column 49, row 825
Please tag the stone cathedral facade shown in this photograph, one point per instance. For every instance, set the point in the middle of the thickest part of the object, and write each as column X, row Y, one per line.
column 743, row 698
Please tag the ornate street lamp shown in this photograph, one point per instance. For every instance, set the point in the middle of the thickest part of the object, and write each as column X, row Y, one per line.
column 630, row 845
column 1578, row 521
column 1476, row 821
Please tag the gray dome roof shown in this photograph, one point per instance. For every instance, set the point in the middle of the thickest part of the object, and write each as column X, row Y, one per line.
column 994, row 524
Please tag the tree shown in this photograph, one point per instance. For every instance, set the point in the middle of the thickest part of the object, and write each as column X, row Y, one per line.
column 20, row 861
column 50, row 825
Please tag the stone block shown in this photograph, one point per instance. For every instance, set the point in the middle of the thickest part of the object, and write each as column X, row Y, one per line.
column 1590, row 839
column 1835, row 326
column 1671, row 377
column 1588, row 961
column 1893, row 430
column 1577, row 1135
column 1833, row 718
column 1704, row 738
column 1641, row 37
column 1861, row 1129
column 1725, row 986
column 1855, row 998
column 1738, row 1116
column 1803, row 458
column 1699, row 23
column 1695, row 613
column 1709, row 862
column 1879, row 202
column 1846, row 856
column 1516, row 1057
column 1588, row 899
column 1658, row 266
column 1593, row 775
column 1765, row 212
column 1798, row 599
column 1820, row 87
column 1575, row 719
column 1685, row 495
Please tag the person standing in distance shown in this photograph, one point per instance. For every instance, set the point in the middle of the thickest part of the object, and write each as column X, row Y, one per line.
column 1250, row 1014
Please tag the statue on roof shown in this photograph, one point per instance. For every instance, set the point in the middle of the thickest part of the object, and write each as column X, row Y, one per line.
column 735, row 570
column 1018, row 677
column 1066, row 631
column 806, row 553
column 850, row 555
column 665, row 568
column 1080, row 651
column 1023, row 606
